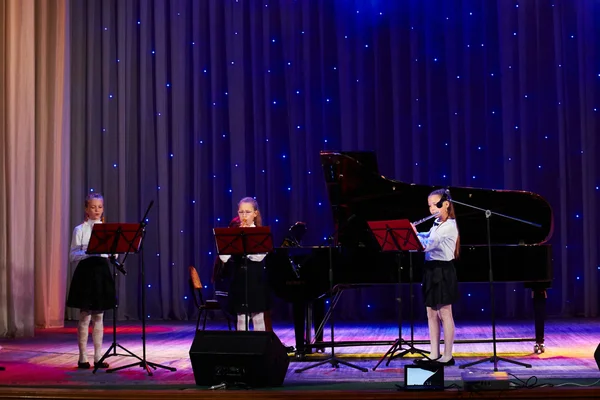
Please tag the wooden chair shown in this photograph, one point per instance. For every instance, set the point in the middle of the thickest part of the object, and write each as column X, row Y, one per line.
column 203, row 306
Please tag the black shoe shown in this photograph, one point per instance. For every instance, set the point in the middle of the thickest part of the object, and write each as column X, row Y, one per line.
column 102, row 364
column 83, row 365
column 425, row 361
column 448, row 363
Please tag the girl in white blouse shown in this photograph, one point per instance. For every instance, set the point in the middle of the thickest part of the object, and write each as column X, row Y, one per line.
column 92, row 288
column 440, row 285
column 258, row 294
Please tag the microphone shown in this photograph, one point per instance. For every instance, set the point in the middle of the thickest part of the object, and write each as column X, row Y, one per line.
column 118, row 265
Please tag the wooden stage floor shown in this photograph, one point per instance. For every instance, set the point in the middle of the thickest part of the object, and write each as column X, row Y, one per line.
column 45, row 366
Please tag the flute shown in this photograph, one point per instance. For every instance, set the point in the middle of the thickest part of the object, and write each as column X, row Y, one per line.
column 425, row 219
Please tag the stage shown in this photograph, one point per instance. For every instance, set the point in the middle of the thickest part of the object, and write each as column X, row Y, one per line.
column 45, row 366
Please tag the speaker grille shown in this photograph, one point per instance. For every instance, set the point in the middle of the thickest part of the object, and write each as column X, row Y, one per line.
column 255, row 359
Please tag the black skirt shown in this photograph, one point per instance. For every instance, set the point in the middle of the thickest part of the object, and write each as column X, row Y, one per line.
column 440, row 285
column 258, row 289
column 92, row 286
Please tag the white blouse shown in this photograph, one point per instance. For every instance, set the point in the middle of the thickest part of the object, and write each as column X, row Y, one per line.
column 80, row 241
column 252, row 257
column 440, row 241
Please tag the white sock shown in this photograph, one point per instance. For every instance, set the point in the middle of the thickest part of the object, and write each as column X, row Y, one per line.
column 97, row 335
column 82, row 334
column 258, row 321
column 241, row 322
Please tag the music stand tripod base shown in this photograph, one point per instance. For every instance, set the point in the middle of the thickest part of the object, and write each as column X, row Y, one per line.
column 144, row 364
column 335, row 363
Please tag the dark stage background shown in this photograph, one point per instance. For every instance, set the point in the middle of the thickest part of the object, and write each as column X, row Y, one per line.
column 196, row 104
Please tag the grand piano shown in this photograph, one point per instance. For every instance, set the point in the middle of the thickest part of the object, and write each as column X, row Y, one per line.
column 359, row 193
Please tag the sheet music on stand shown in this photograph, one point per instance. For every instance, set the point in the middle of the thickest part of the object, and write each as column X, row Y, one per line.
column 115, row 238
column 395, row 235
column 243, row 241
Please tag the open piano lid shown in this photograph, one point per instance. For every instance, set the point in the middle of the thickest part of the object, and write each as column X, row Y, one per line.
column 358, row 193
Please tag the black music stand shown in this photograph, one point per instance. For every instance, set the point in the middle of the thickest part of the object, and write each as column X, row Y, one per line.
column 399, row 236
column 113, row 239
column 488, row 213
column 141, row 233
column 243, row 242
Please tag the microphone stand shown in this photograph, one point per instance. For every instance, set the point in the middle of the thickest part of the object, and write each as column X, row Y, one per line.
column 488, row 213
column 332, row 359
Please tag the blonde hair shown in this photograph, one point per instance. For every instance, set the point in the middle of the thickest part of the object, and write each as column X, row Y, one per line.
column 252, row 200
column 90, row 197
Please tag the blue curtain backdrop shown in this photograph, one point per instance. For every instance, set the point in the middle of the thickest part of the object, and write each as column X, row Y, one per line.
column 196, row 104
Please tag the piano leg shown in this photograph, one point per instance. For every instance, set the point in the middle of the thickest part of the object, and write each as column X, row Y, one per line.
column 305, row 316
column 318, row 311
column 539, row 296
column 299, row 312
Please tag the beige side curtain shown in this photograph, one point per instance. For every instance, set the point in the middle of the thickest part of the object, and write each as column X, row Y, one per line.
column 34, row 164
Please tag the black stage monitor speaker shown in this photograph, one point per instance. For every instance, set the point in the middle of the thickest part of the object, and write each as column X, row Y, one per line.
column 255, row 359
column 597, row 356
